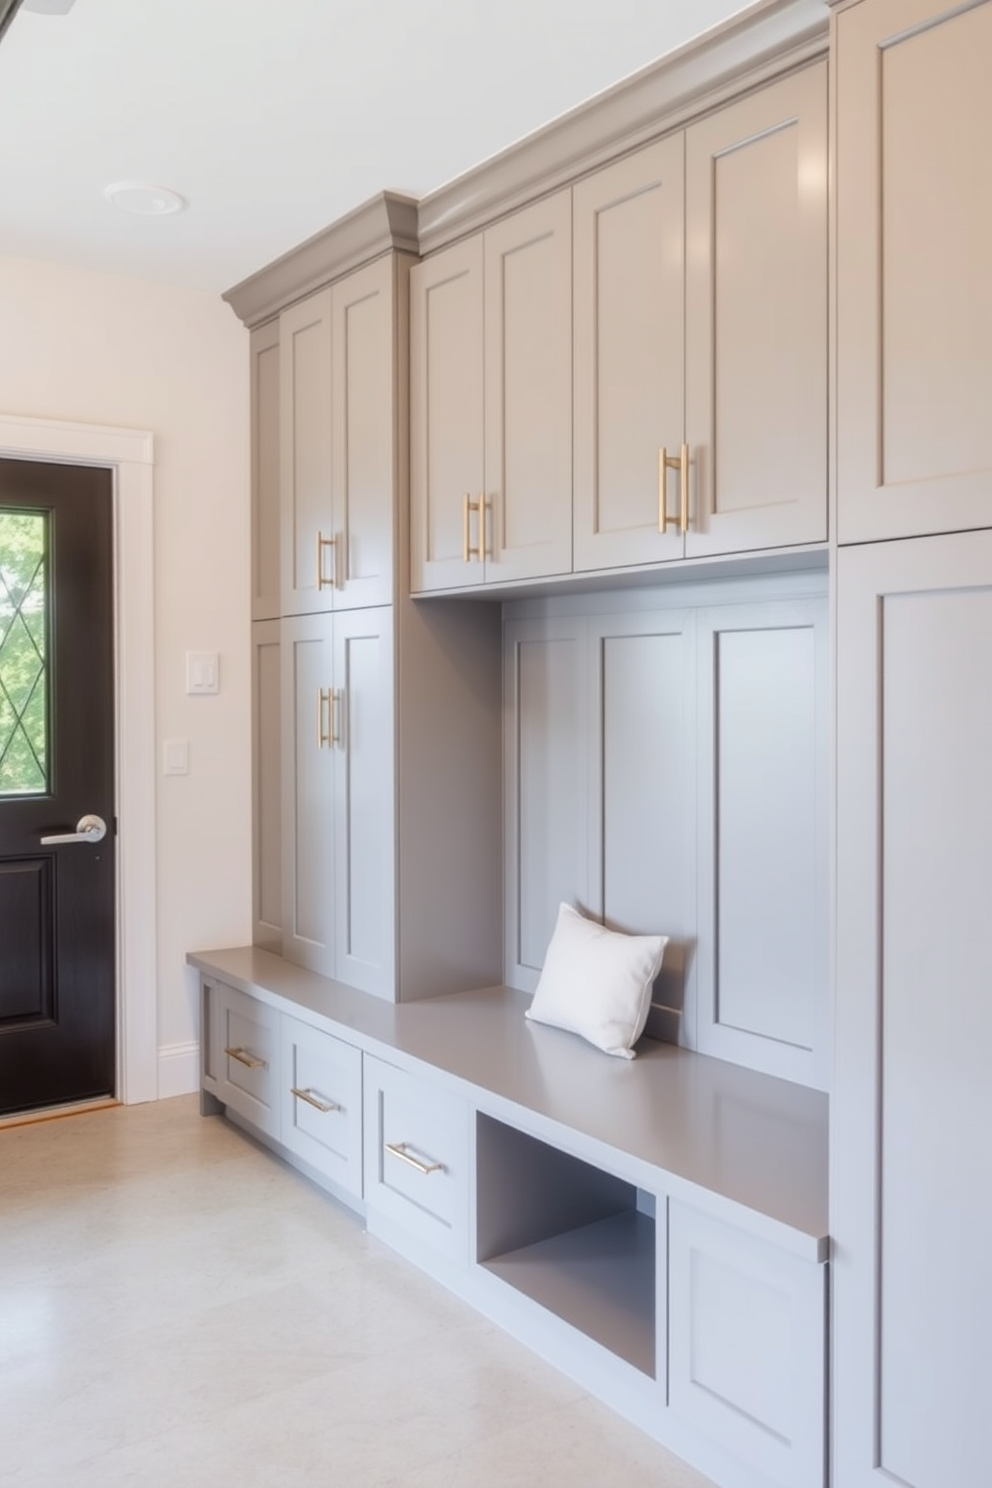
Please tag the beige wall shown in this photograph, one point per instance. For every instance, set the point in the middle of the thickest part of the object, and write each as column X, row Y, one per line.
column 87, row 347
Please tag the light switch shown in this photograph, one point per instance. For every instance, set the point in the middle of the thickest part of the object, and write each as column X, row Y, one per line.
column 175, row 757
column 202, row 672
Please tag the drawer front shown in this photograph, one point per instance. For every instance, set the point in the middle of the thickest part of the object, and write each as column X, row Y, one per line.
column 247, row 1054
column 321, row 1096
column 747, row 1346
column 416, row 1157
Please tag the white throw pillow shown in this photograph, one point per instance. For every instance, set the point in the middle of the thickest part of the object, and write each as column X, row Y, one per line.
column 597, row 983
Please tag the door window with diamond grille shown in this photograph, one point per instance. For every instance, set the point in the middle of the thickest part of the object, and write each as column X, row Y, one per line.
column 23, row 652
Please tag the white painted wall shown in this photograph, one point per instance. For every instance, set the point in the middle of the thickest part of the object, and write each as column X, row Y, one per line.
column 89, row 347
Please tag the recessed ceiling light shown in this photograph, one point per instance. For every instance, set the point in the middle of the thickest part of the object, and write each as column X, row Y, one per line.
column 144, row 200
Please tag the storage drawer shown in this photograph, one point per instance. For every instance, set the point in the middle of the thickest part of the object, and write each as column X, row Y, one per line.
column 245, row 1057
column 416, row 1157
column 321, row 1096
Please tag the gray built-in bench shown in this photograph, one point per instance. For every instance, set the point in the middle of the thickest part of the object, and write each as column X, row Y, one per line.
column 657, row 1228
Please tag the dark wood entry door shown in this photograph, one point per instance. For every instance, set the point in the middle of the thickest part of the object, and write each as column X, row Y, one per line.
column 57, row 898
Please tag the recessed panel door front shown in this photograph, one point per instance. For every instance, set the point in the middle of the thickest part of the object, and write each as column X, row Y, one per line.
column 57, row 826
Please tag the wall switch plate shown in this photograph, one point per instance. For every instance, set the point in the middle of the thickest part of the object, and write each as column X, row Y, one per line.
column 202, row 673
column 175, row 757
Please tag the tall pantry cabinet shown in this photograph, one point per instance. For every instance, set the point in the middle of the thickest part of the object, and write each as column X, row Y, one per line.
column 348, row 881
column 911, row 1108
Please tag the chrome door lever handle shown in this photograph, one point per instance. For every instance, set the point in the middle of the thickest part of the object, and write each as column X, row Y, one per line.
column 88, row 829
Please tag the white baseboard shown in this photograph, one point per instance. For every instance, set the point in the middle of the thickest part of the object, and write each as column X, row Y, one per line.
column 178, row 1069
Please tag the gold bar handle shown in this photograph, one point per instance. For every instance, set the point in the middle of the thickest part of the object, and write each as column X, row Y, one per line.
column 325, row 698
column 469, row 550
column 483, row 509
column 312, row 1100
column 403, row 1152
column 680, row 463
column 250, row 1061
column 322, row 543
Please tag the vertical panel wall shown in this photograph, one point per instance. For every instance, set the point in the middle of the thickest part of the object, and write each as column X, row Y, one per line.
column 763, row 893
column 666, row 762
column 547, row 785
column 644, row 772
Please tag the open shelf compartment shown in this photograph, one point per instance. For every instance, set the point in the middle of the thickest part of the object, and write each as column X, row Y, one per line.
column 576, row 1240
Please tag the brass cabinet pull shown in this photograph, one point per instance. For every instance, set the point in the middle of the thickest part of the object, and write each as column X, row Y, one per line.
column 403, row 1152
column 250, row 1061
column 312, row 1100
column 322, row 543
column 680, row 463
column 470, row 550
column 325, row 698
column 483, row 508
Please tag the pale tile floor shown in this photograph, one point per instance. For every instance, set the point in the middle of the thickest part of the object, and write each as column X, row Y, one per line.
column 178, row 1308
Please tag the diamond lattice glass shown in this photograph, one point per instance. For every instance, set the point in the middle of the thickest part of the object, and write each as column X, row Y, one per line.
column 23, row 653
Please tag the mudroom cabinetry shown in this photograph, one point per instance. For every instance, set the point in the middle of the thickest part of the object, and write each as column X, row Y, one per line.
column 701, row 370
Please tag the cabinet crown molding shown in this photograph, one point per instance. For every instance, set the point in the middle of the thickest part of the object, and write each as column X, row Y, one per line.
column 744, row 51
column 385, row 223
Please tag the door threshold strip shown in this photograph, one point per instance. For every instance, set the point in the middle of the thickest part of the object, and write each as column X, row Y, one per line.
column 56, row 1113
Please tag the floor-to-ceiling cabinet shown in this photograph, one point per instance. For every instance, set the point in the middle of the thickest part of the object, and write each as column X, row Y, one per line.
column 911, row 1110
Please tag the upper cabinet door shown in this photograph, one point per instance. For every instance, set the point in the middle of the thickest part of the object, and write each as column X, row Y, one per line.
column 914, row 289
column 359, row 556
column 446, row 418
column 756, row 319
column 527, row 515
column 265, row 517
column 305, row 454
column 629, row 327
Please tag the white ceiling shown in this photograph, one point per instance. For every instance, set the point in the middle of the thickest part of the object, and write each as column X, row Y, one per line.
column 274, row 117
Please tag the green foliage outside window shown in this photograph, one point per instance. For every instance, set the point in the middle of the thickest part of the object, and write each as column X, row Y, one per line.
column 23, row 643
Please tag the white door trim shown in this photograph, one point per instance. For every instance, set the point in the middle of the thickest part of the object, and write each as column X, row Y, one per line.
column 128, row 453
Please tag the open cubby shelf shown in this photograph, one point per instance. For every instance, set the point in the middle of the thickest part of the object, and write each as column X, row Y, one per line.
column 570, row 1237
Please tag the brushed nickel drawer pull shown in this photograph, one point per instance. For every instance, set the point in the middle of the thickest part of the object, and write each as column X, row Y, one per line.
column 312, row 1100
column 402, row 1151
column 250, row 1061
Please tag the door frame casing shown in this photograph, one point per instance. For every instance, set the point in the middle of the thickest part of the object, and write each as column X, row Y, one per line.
column 128, row 453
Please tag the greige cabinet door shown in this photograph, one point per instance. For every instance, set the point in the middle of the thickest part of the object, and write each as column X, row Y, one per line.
column 527, row 509
column 490, row 404
column 914, row 294
column 363, row 423
column 310, row 731
column 306, row 454
column 337, row 795
column 629, row 357
column 756, row 319
column 447, row 475
column 364, row 819
column 265, row 512
column 911, row 1107
column 267, row 784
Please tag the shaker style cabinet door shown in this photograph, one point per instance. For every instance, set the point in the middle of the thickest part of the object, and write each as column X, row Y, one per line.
column 266, row 770
column 364, row 817
column 446, row 419
column 490, row 404
column 911, row 1107
column 526, row 521
column 756, row 319
column 305, row 455
column 310, row 735
column 914, row 290
column 265, row 511
column 359, row 556
column 629, row 350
